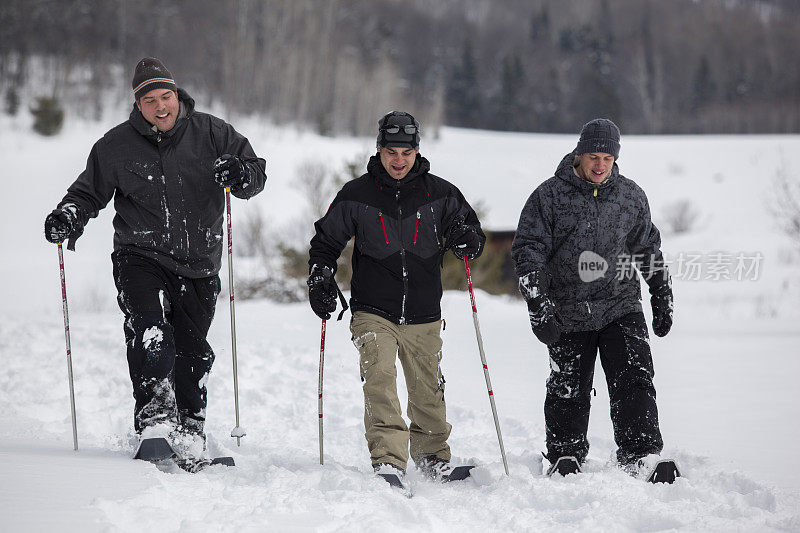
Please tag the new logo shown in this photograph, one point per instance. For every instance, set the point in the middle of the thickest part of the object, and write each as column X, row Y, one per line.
column 591, row 266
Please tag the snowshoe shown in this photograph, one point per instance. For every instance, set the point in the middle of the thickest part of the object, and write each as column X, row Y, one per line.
column 394, row 476
column 155, row 450
column 160, row 452
column 193, row 465
column 458, row 473
column 653, row 469
column 665, row 471
column 565, row 465
column 196, row 465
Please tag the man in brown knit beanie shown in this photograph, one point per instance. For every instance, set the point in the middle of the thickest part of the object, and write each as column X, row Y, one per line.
column 166, row 168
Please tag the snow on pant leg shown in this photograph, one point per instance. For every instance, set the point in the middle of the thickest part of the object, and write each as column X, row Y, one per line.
column 193, row 304
column 149, row 337
column 386, row 431
column 420, row 353
column 568, row 399
column 628, row 365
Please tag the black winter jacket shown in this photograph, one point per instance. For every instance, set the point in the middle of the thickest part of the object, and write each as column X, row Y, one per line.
column 400, row 229
column 567, row 216
column 168, row 206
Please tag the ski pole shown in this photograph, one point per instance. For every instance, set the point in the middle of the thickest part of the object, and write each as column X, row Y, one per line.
column 319, row 389
column 69, row 346
column 237, row 431
column 485, row 367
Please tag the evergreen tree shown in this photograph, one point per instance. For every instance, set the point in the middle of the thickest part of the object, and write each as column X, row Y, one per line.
column 48, row 115
column 703, row 87
column 540, row 24
column 463, row 95
column 738, row 84
column 12, row 101
column 511, row 109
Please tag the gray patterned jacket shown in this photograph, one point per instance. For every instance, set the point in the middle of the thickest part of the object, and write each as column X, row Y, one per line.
column 578, row 238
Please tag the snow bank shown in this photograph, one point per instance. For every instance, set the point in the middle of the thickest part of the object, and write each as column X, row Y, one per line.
column 725, row 374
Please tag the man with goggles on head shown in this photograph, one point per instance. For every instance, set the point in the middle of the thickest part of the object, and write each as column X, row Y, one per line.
column 404, row 219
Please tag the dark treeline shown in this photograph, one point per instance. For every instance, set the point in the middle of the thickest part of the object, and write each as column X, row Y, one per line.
column 654, row 66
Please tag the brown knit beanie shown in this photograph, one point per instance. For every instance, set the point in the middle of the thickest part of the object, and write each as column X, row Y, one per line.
column 151, row 74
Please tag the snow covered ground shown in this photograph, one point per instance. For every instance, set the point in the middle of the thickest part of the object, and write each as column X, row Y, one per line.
column 726, row 374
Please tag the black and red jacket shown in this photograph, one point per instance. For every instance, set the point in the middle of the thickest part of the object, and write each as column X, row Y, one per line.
column 400, row 228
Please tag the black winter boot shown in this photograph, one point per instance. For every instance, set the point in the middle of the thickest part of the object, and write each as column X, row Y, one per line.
column 434, row 467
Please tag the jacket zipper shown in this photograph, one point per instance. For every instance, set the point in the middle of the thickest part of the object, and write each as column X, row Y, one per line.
column 383, row 227
column 402, row 258
column 416, row 228
column 594, row 233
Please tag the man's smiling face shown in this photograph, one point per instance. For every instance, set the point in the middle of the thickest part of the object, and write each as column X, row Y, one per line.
column 160, row 108
column 595, row 167
column 397, row 161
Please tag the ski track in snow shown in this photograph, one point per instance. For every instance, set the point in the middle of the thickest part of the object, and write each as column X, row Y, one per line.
column 725, row 375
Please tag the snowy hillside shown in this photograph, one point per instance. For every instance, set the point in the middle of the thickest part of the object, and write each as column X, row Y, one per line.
column 725, row 375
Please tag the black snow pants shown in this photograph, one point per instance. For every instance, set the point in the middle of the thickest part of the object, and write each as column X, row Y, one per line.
column 167, row 318
column 628, row 365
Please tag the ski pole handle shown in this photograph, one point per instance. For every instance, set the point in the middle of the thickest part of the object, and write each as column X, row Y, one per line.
column 485, row 366
column 65, row 310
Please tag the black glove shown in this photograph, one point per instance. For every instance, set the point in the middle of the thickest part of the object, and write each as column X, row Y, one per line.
column 662, row 303
column 465, row 240
column 541, row 309
column 229, row 171
column 549, row 331
column 62, row 224
column 322, row 291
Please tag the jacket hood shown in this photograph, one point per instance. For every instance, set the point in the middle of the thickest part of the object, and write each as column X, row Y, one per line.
column 375, row 169
column 141, row 125
column 566, row 171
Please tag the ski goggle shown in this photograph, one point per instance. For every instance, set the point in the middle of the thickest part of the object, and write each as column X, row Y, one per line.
column 408, row 129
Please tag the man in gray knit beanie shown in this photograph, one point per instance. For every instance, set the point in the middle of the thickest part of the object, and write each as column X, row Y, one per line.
column 597, row 150
column 575, row 231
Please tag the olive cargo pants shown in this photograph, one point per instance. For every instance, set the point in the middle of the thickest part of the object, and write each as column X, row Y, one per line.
column 419, row 348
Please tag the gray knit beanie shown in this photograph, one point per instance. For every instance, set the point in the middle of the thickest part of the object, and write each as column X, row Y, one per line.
column 150, row 73
column 599, row 135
